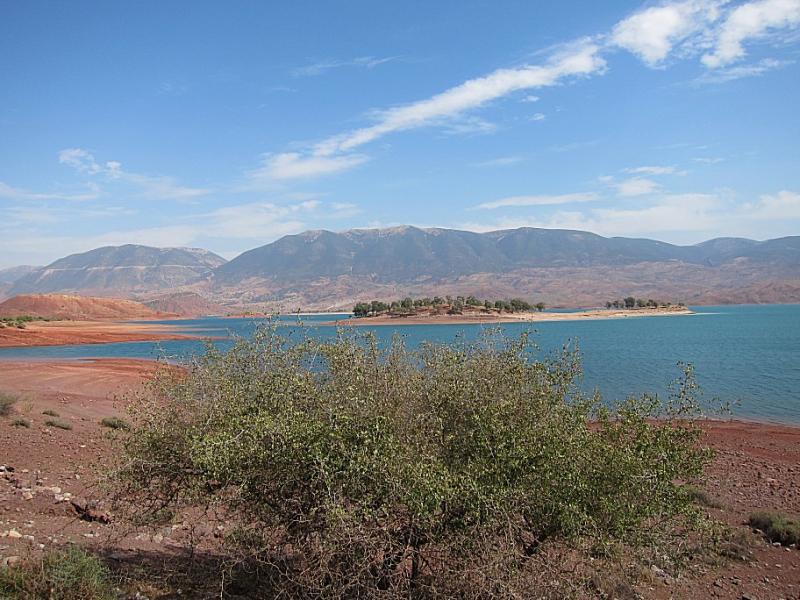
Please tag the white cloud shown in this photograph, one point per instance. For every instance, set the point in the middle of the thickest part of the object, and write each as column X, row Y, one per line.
column 750, row 21
column 538, row 117
column 539, row 200
column 531, row 98
column 652, row 33
column 293, row 165
column 723, row 75
column 783, row 205
column 708, row 160
column 671, row 214
column 158, row 187
column 502, row 161
column 580, row 60
column 320, row 67
column 15, row 193
column 650, row 170
column 257, row 220
column 636, row 186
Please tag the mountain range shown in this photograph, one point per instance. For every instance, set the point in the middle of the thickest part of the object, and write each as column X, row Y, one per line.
column 327, row 270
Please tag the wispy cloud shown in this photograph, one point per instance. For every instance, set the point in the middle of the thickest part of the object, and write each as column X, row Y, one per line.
column 708, row 160
column 293, row 165
column 501, row 161
column 538, row 200
column 538, row 117
column 651, row 170
column 151, row 187
column 14, row 193
column 636, row 186
column 725, row 74
column 581, row 59
column 322, row 66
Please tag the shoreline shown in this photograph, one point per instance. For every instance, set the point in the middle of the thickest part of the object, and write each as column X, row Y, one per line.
column 63, row 333
column 528, row 317
column 754, row 467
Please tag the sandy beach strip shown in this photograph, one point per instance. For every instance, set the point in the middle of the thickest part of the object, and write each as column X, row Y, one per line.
column 532, row 317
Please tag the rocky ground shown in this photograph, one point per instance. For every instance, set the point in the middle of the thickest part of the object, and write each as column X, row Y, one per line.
column 50, row 493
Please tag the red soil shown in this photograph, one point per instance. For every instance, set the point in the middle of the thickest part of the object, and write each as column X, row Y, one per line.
column 57, row 333
column 757, row 466
column 85, row 308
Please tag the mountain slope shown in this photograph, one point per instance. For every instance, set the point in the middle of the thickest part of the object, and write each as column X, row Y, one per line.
column 81, row 308
column 409, row 253
column 120, row 270
column 323, row 269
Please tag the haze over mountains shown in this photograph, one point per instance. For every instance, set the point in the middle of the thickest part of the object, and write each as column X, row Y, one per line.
column 121, row 270
column 326, row 270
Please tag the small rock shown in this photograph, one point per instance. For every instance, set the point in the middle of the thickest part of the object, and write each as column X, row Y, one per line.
column 10, row 561
column 13, row 533
column 27, row 496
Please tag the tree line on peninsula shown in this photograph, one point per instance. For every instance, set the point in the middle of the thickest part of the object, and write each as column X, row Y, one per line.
column 447, row 304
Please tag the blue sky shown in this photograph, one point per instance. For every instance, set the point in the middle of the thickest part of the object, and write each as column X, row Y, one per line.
column 228, row 125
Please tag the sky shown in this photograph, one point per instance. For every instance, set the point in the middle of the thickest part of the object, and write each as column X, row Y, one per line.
column 227, row 125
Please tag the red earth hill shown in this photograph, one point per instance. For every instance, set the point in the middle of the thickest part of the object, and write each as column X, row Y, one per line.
column 79, row 308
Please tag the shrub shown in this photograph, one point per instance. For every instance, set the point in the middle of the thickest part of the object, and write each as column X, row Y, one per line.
column 701, row 497
column 345, row 469
column 7, row 402
column 50, row 413
column 114, row 423
column 59, row 423
column 777, row 527
column 21, row 422
column 70, row 574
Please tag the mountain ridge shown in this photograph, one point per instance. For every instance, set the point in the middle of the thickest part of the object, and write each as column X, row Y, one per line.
column 324, row 269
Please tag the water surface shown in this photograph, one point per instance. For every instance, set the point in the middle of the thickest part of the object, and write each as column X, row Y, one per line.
column 748, row 354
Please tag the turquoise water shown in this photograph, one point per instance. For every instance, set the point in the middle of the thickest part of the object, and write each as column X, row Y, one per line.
column 744, row 354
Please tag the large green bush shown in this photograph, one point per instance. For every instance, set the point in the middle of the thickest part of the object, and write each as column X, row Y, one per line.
column 348, row 470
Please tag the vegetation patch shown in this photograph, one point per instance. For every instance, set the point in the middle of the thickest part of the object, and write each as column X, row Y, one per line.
column 777, row 527
column 69, row 574
column 7, row 402
column 447, row 305
column 349, row 469
column 21, row 422
column 702, row 497
column 114, row 423
column 50, row 413
column 59, row 423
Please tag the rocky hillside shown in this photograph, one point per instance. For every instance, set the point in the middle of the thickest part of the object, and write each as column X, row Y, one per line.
column 120, row 271
column 185, row 304
column 78, row 308
column 325, row 270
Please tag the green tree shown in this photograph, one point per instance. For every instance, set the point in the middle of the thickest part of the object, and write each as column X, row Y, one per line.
column 630, row 302
column 361, row 309
column 540, row 306
column 450, row 460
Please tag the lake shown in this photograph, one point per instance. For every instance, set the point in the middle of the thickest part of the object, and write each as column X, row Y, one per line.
column 745, row 354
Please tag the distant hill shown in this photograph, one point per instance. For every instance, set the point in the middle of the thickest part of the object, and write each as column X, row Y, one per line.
column 185, row 304
column 81, row 308
column 10, row 276
column 13, row 274
column 120, row 270
column 327, row 270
